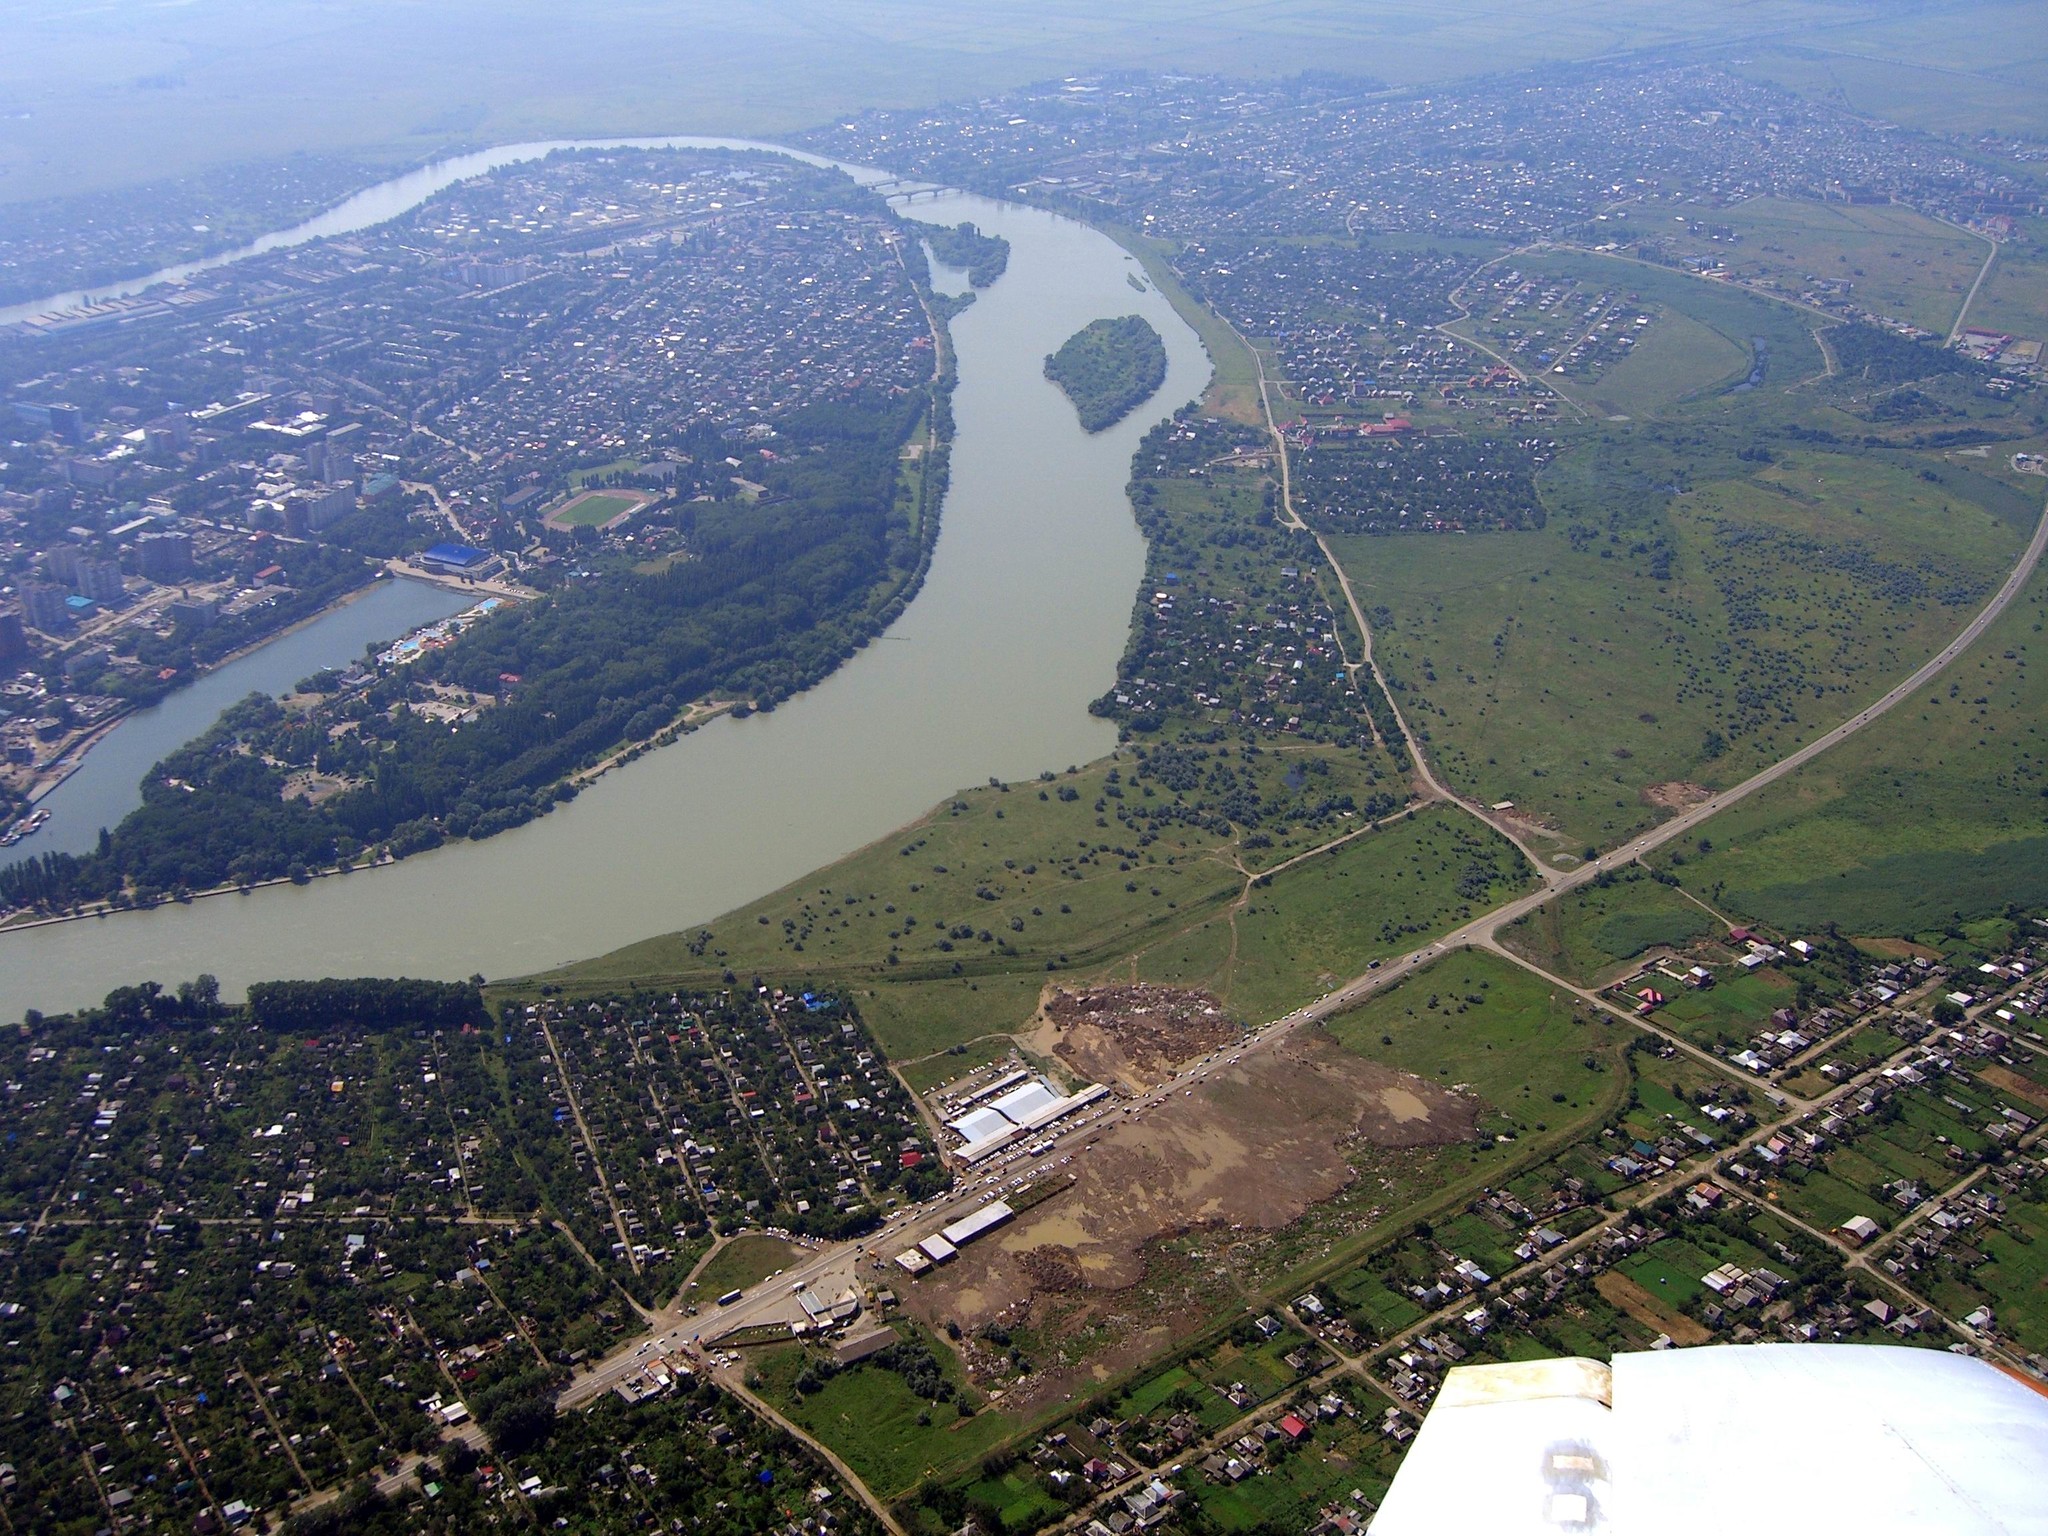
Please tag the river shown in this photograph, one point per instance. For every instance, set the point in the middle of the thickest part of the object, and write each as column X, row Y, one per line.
column 988, row 672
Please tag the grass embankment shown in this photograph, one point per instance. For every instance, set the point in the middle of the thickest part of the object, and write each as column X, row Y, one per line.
column 1234, row 387
column 993, row 858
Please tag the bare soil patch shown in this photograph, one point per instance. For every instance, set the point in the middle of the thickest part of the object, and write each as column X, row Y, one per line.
column 1896, row 949
column 1624, row 1293
column 1134, row 1035
column 1250, row 1148
column 2005, row 1080
column 1677, row 794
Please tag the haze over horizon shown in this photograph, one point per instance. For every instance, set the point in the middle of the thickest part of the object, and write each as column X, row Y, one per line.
column 130, row 91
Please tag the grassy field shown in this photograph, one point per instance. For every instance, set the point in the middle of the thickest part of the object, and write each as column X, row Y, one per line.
column 1483, row 1024
column 1325, row 921
column 593, row 509
column 1685, row 617
column 2014, row 297
column 743, row 1262
column 1022, row 869
column 890, row 1437
column 1676, row 358
column 1938, row 809
column 1752, row 328
column 1587, row 934
column 1900, row 263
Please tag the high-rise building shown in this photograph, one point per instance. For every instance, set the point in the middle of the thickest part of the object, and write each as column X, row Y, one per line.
column 13, row 637
column 329, row 504
column 100, row 580
column 60, row 563
column 43, row 601
column 165, row 556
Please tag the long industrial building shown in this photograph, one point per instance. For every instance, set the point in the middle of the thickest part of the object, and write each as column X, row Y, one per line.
column 949, row 1240
column 1031, row 1105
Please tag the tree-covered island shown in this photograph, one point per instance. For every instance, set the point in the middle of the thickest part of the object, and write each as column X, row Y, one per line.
column 1109, row 368
column 985, row 257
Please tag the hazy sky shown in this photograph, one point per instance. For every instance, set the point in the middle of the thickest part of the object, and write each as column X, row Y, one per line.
column 127, row 90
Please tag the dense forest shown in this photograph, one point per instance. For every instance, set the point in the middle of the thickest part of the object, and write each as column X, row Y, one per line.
column 774, row 594
column 985, row 257
column 1109, row 368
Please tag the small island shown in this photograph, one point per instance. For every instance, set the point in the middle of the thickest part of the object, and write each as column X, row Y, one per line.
column 985, row 257
column 1109, row 368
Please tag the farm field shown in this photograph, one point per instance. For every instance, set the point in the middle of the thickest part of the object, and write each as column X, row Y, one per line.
column 2012, row 1279
column 1937, row 808
column 414, row 81
column 1933, row 70
column 1730, row 1012
column 1338, row 1457
column 1848, row 1056
column 1685, row 618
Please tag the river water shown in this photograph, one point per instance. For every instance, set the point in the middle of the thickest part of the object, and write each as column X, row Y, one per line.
column 988, row 672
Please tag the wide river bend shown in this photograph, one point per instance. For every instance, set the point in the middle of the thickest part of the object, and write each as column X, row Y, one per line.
column 988, row 672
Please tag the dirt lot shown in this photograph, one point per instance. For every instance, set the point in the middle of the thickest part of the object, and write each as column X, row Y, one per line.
column 1252, row 1147
column 1646, row 1309
column 2005, row 1080
column 1133, row 1036
column 1677, row 795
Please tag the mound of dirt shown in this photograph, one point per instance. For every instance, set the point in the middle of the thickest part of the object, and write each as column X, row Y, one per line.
column 1134, row 1035
column 1052, row 1268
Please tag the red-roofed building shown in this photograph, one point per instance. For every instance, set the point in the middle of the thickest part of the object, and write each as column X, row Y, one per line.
column 1294, row 1427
